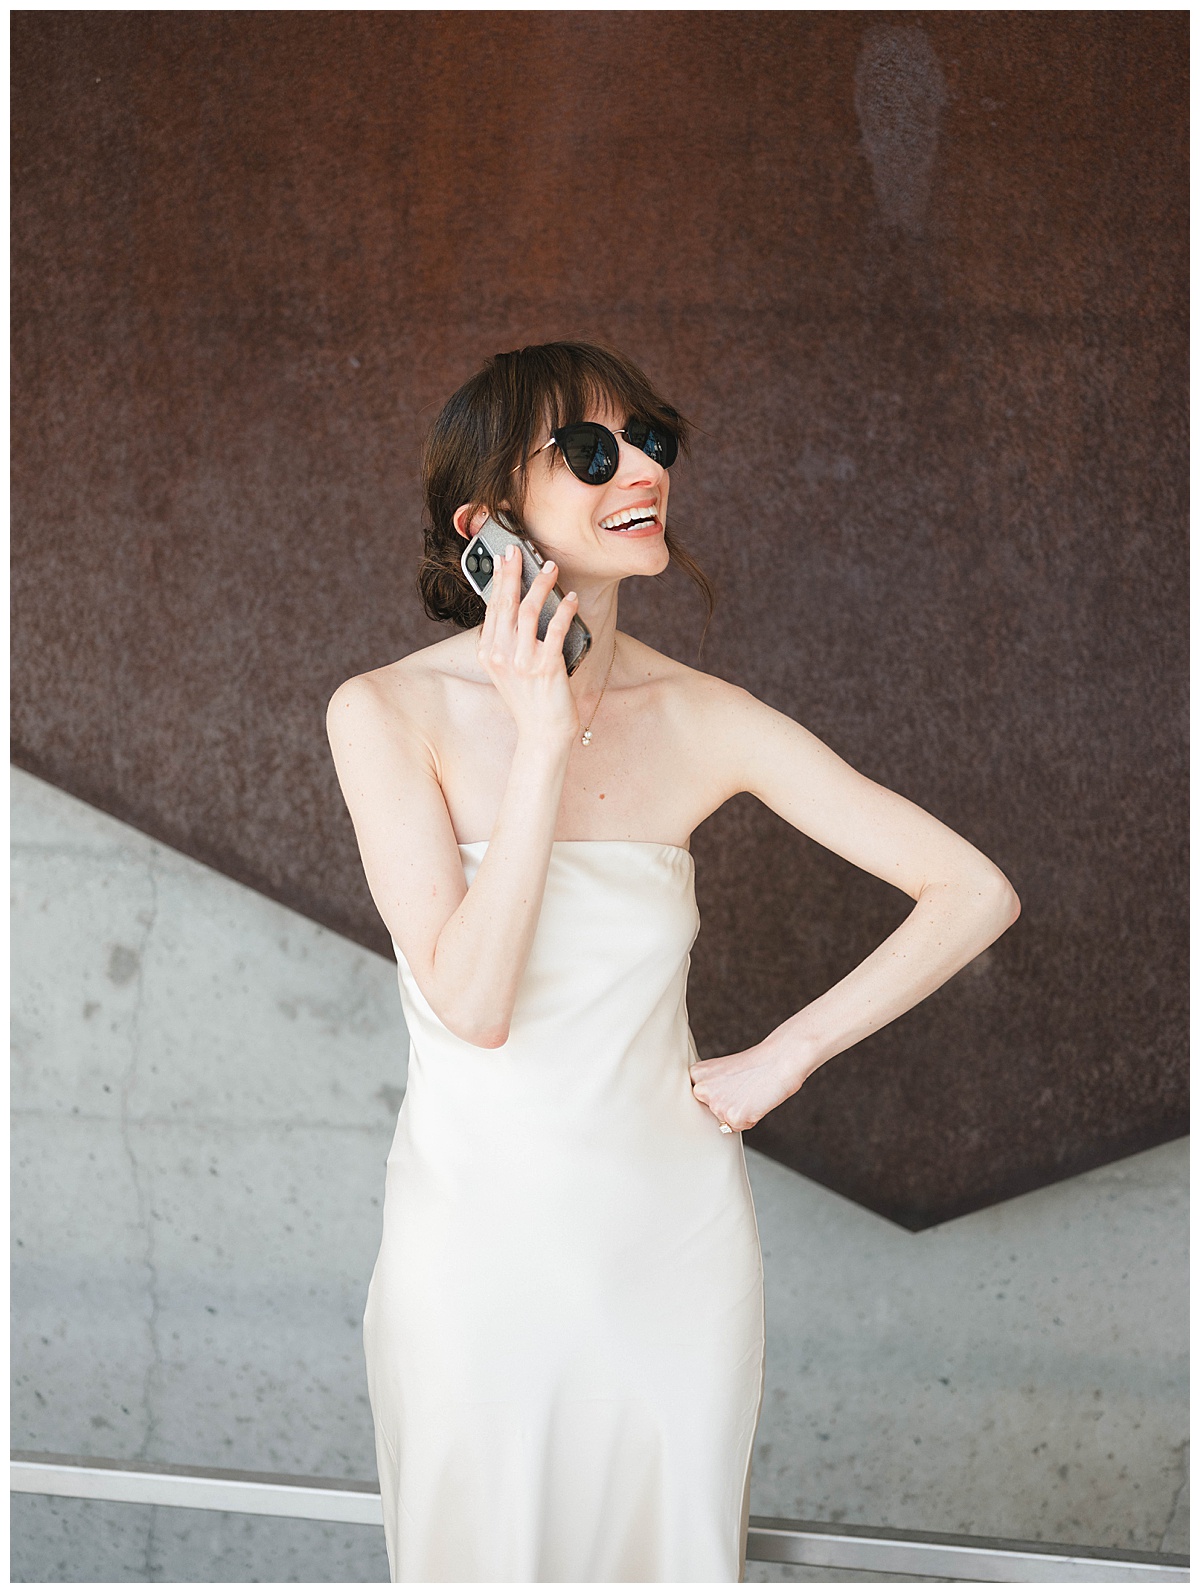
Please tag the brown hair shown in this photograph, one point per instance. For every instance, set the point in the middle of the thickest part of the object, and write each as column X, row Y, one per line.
column 480, row 445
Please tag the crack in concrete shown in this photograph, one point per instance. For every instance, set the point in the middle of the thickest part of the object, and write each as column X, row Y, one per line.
column 148, row 1569
column 152, row 1379
column 1177, row 1505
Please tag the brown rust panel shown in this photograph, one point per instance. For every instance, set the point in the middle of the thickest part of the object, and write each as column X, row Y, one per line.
column 920, row 276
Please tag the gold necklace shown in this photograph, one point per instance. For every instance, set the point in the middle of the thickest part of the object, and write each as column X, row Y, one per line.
column 586, row 737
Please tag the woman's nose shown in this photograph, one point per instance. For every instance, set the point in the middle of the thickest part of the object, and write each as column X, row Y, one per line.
column 634, row 466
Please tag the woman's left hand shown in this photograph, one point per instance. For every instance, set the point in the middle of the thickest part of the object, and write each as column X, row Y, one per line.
column 742, row 1088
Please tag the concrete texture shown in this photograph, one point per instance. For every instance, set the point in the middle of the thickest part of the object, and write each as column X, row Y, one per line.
column 1019, row 1373
column 86, row 1540
column 204, row 1089
column 920, row 278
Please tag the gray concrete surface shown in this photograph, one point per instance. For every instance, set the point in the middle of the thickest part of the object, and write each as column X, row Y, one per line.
column 204, row 1087
column 1018, row 1373
column 204, row 1090
column 89, row 1540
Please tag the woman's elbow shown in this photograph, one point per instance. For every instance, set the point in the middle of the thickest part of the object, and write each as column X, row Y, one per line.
column 465, row 1014
column 486, row 1033
column 488, row 1039
column 1008, row 902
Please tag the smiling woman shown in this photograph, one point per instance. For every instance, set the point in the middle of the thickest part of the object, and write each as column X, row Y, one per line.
column 499, row 423
column 564, row 1326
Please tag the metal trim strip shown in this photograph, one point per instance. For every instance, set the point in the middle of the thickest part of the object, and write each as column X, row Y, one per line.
column 886, row 1550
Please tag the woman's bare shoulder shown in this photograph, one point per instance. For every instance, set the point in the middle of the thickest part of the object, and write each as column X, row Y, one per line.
column 680, row 686
column 411, row 691
column 416, row 675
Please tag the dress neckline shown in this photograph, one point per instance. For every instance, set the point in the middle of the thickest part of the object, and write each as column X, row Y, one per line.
column 658, row 846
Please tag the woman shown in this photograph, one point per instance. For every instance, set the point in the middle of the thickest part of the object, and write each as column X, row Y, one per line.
column 563, row 1328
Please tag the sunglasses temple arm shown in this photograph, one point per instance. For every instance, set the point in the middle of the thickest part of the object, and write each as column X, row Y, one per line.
column 536, row 451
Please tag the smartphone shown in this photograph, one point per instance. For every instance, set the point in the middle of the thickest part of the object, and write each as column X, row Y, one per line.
column 485, row 550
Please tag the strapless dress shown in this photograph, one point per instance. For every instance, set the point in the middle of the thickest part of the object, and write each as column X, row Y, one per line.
column 564, row 1325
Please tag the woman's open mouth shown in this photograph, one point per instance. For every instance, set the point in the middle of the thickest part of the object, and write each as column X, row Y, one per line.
column 638, row 522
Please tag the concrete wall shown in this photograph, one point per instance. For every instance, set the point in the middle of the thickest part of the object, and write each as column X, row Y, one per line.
column 205, row 1086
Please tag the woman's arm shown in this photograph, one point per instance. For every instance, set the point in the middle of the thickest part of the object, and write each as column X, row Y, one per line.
column 963, row 901
column 467, row 948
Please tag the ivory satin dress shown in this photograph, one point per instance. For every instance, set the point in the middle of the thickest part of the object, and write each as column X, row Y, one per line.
column 564, row 1325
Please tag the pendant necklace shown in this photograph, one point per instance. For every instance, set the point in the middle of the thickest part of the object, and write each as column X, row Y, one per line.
column 586, row 737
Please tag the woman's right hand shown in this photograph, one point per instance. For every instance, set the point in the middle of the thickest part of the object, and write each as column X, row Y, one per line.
column 530, row 675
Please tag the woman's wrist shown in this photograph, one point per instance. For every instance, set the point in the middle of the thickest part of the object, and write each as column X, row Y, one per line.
column 544, row 749
column 533, row 792
column 792, row 1054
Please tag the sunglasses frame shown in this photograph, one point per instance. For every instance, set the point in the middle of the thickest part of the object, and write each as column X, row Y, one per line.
column 606, row 432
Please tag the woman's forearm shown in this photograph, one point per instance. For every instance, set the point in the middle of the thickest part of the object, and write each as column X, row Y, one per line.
column 949, row 925
column 483, row 947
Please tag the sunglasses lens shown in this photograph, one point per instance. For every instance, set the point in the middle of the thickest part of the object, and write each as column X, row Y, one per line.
column 590, row 452
column 657, row 442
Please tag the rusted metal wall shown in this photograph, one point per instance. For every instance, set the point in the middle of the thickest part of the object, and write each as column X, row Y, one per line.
column 920, row 276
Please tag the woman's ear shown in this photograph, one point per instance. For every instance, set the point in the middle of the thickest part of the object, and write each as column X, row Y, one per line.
column 476, row 520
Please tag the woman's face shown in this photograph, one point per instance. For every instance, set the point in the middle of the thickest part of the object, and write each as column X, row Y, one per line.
column 584, row 529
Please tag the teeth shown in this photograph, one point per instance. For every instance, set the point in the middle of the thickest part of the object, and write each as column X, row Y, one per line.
column 624, row 516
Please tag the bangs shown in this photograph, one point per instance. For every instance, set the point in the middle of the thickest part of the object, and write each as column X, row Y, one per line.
column 591, row 386
column 557, row 384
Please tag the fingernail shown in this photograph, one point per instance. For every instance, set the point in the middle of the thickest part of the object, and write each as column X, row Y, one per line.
column 509, row 551
column 570, row 594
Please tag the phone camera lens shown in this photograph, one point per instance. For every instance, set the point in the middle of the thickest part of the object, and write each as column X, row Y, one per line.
column 485, row 565
column 472, row 563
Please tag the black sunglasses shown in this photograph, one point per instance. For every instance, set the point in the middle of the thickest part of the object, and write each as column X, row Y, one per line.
column 592, row 452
